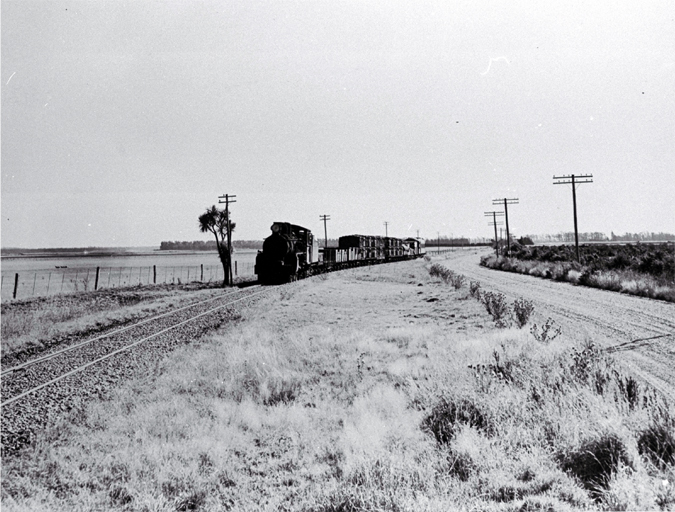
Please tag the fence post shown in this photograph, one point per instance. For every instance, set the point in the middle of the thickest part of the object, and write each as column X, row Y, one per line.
column 202, row 274
column 235, row 267
column 16, row 285
column 154, row 274
column 34, row 279
column 98, row 270
column 49, row 281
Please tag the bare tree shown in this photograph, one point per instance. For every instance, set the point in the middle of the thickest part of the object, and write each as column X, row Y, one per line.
column 216, row 221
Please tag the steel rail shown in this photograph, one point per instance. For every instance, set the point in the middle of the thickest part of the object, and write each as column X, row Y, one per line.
column 106, row 335
column 126, row 347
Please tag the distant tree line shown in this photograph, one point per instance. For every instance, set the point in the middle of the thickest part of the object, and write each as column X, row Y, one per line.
column 642, row 237
column 444, row 241
column 602, row 237
column 210, row 245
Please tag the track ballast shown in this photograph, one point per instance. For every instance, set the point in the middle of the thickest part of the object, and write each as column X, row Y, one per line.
column 37, row 392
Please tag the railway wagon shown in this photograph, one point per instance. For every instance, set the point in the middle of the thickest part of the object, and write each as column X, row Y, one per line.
column 415, row 247
column 366, row 247
column 394, row 248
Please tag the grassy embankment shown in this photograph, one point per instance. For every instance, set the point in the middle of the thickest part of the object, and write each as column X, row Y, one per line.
column 297, row 408
column 646, row 270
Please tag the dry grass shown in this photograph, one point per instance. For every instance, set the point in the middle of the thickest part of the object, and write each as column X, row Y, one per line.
column 34, row 324
column 319, row 418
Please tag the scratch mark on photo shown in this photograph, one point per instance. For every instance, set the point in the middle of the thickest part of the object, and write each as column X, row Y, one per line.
column 495, row 60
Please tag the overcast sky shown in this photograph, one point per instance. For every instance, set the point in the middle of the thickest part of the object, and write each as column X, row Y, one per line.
column 123, row 120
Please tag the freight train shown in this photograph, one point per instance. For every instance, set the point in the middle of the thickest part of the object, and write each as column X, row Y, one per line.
column 292, row 253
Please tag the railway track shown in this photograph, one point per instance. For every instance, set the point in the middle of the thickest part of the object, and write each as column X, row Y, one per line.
column 36, row 391
column 23, row 366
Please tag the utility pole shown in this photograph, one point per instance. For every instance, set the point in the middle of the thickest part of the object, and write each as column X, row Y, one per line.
column 494, row 223
column 438, row 242
column 324, row 218
column 574, row 180
column 506, row 215
column 386, row 231
column 228, row 199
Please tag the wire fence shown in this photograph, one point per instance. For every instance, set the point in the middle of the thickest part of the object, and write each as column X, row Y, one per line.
column 21, row 285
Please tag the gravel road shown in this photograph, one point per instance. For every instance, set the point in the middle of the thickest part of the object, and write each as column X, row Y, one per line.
column 610, row 319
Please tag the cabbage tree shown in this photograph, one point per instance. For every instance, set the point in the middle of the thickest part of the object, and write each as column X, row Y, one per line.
column 216, row 221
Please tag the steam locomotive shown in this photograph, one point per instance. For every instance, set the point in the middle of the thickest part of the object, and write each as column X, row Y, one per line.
column 291, row 253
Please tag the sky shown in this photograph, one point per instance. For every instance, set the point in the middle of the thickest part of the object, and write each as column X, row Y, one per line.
column 122, row 121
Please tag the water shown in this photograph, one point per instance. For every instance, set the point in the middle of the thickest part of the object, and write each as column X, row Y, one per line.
column 48, row 275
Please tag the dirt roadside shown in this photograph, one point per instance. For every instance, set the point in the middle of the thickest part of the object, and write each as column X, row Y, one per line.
column 380, row 298
column 641, row 330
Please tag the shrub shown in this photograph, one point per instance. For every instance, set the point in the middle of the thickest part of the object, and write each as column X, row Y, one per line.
column 559, row 272
column 495, row 304
column 437, row 270
column 595, row 461
column 505, row 368
column 630, row 390
column 522, row 310
column 592, row 368
column 447, row 275
column 586, row 278
column 457, row 280
column 657, row 441
column 547, row 332
column 194, row 500
column 461, row 465
column 447, row 416
column 573, row 276
column 474, row 289
column 119, row 495
column 606, row 281
column 280, row 391
column 488, row 261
